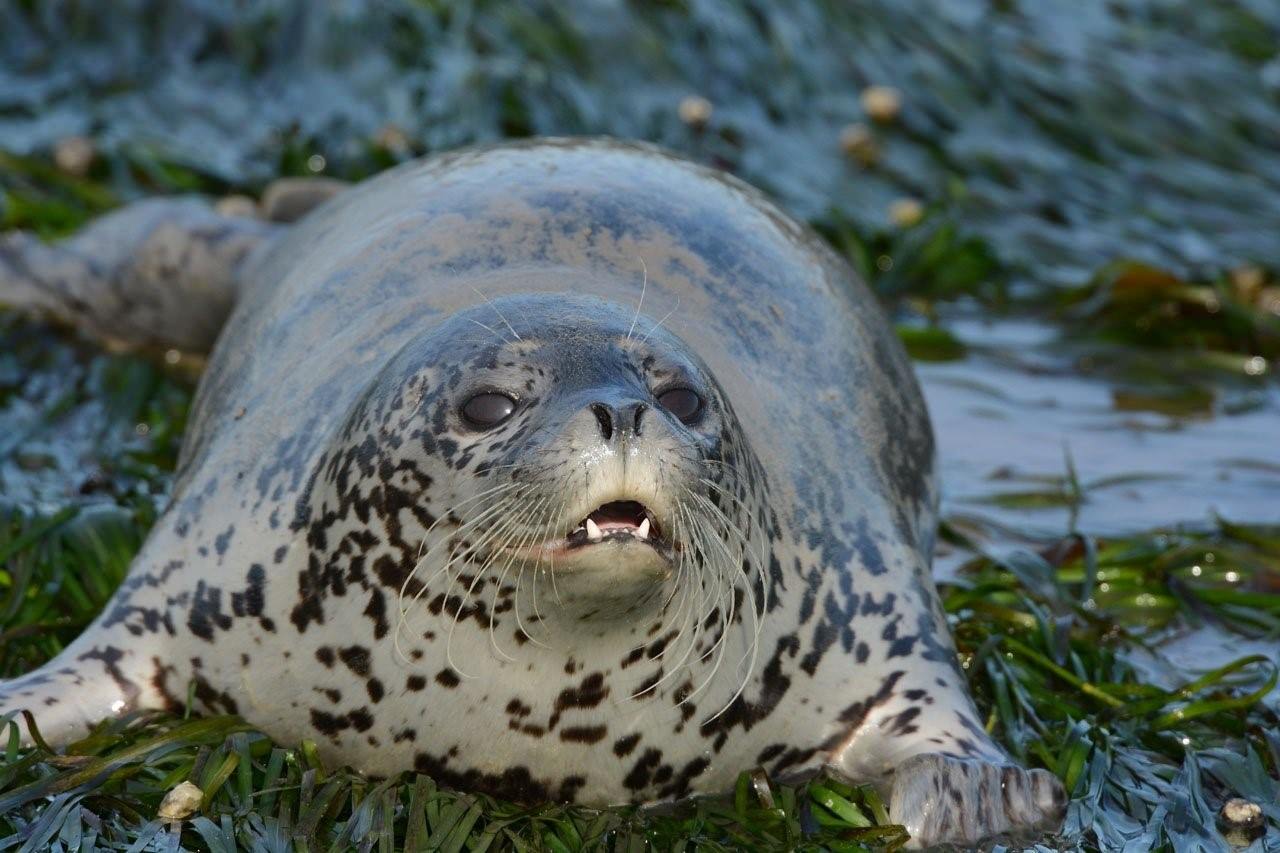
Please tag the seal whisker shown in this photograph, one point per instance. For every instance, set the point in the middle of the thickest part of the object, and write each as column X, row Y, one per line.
column 529, row 538
column 542, row 530
column 497, row 588
column 497, row 311
column 402, row 608
column 422, row 542
column 693, row 535
column 457, row 538
column 488, row 537
column 555, row 589
column 758, row 605
column 736, row 561
column 495, row 332
column 460, row 547
column 685, row 591
column 757, row 564
column 493, row 606
column 451, row 512
column 492, row 535
column 761, row 604
column 664, row 319
column 707, row 584
column 679, row 587
column 564, row 502
column 516, row 605
column 726, row 602
column 455, row 552
column 643, row 286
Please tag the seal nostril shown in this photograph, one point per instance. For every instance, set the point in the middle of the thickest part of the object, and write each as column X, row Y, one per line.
column 604, row 418
column 640, row 410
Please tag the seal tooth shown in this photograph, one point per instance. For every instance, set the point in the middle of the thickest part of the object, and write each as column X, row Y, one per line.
column 593, row 531
column 643, row 530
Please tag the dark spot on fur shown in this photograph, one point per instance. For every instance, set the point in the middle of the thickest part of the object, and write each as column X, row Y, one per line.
column 623, row 746
column 584, row 734
column 356, row 658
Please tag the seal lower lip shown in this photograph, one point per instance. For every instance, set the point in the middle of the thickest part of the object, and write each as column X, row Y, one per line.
column 621, row 521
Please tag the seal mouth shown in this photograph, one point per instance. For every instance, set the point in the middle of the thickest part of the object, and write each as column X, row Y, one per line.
column 626, row 526
column 617, row 521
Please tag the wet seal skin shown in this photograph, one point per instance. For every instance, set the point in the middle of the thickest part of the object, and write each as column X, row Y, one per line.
column 562, row 470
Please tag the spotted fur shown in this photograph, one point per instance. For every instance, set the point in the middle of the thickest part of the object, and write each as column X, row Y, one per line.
column 322, row 569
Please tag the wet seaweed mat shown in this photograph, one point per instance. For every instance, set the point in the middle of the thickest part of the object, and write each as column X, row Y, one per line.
column 1101, row 176
column 1057, row 644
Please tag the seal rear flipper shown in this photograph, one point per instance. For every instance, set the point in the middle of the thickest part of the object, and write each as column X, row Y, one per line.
column 87, row 683
column 156, row 273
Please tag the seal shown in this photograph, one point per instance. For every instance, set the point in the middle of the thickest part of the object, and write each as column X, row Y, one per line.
column 561, row 470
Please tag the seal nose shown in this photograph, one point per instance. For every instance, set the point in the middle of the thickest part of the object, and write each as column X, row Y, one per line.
column 624, row 418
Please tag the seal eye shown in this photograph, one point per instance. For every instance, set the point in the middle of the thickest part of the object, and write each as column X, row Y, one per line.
column 684, row 403
column 488, row 409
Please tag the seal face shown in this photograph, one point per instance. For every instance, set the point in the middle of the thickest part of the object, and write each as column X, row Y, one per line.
column 565, row 453
column 560, row 470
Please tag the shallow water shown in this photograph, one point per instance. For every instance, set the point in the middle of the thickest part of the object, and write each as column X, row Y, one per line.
column 1010, row 415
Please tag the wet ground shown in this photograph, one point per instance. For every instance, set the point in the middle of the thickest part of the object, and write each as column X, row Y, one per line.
column 995, row 197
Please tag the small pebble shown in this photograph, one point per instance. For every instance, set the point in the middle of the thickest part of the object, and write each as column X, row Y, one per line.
column 1241, row 822
column 240, row 206
column 858, row 143
column 74, row 155
column 882, row 104
column 695, row 111
column 1248, row 281
column 180, row 803
column 1269, row 300
column 906, row 212
column 290, row 199
column 393, row 139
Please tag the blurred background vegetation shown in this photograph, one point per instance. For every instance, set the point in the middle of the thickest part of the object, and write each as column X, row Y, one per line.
column 1070, row 208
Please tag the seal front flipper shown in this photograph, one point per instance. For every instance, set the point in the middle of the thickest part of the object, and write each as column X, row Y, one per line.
column 101, row 675
column 914, row 732
column 947, row 782
column 945, row 799
column 160, row 273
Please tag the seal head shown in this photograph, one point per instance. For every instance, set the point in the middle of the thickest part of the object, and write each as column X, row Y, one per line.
column 564, row 461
